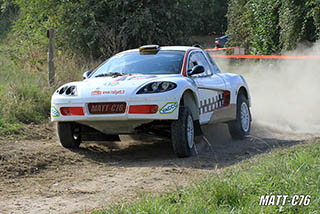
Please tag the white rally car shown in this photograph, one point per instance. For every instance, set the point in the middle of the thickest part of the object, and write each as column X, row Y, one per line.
column 169, row 91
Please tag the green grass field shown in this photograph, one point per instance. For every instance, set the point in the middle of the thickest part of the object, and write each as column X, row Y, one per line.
column 23, row 97
column 24, row 93
column 237, row 189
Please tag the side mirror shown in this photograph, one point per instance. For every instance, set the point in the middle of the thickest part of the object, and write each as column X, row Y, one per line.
column 86, row 74
column 198, row 69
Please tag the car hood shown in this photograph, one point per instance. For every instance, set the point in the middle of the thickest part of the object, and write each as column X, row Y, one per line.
column 122, row 85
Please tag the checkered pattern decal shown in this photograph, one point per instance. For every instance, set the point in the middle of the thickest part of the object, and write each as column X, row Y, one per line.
column 211, row 104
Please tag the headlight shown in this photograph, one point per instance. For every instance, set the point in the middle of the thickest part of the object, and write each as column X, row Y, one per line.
column 68, row 90
column 157, row 87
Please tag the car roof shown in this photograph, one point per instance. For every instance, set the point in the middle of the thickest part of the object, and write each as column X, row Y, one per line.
column 168, row 48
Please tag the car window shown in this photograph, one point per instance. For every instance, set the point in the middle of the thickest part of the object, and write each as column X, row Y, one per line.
column 197, row 58
column 164, row 62
column 215, row 68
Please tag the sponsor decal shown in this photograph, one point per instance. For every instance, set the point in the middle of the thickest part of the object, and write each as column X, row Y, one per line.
column 96, row 92
column 115, row 92
column 116, row 81
column 111, row 84
column 121, row 78
column 54, row 112
column 169, row 108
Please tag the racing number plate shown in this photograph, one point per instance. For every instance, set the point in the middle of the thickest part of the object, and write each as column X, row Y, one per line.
column 107, row 108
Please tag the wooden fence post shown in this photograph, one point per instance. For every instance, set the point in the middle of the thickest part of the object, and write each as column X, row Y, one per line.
column 51, row 55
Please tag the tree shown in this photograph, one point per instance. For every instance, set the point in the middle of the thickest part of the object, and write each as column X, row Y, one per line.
column 8, row 13
column 272, row 26
column 100, row 28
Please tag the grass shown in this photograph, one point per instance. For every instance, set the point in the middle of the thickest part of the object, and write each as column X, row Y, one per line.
column 24, row 94
column 290, row 171
column 23, row 97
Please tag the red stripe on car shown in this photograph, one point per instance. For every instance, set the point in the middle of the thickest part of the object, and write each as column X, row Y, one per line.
column 184, row 66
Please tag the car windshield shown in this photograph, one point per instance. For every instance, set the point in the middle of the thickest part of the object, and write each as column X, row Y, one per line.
column 164, row 62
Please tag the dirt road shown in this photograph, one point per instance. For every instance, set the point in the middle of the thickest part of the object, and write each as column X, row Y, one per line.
column 39, row 176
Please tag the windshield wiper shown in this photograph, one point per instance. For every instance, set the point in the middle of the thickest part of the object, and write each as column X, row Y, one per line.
column 110, row 74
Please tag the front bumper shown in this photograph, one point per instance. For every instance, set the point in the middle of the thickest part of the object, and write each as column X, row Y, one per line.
column 161, row 100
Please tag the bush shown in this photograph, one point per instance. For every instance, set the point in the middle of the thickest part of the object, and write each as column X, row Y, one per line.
column 24, row 95
column 206, row 17
column 97, row 28
column 272, row 26
column 264, row 29
column 239, row 18
column 8, row 12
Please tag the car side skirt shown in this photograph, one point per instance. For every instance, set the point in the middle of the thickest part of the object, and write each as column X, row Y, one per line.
column 224, row 114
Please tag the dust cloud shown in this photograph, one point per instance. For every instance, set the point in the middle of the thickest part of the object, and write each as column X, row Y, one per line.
column 285, row 93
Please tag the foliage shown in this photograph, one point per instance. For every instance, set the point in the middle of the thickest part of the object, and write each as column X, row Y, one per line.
column 24, row 94
column 23, row 97
column 313, row 15
column 264, row 29
column 147, row 22
column 207, row 16
column 239, row 19
column 238, row 189
column 97, row 28
column 272, row 26
column 8, row 12
column 291, row 24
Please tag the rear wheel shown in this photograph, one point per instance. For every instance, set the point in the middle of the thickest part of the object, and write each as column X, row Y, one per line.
column 182, row 134
column 69, row 134
column 241, row 126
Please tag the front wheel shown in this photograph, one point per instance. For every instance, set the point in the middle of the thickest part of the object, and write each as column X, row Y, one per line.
column 69, row 134
column 182, row 134
column 240, row 127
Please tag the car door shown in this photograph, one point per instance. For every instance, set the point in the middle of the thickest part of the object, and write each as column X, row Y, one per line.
column 210, row 86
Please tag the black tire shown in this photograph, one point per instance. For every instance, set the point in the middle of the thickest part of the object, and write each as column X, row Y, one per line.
column 236, row 127
column 179, row 134
column 69, row 134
